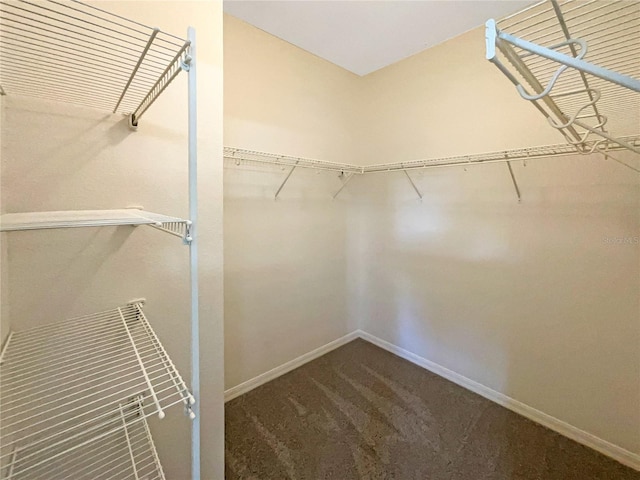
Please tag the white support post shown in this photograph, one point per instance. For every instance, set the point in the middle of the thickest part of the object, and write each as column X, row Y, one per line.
column 193, row 256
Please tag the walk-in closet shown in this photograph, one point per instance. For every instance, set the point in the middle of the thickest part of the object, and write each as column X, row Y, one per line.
column 320, row 240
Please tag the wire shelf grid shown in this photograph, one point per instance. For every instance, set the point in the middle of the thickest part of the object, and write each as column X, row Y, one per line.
column 237, row 156
column 63, row 384
column 69, row 51
column 587, row 108
column 124, row 451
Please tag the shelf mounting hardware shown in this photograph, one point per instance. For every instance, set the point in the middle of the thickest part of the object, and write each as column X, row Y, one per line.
column 515, row 183
column 285, row 181
column 344, row 184
column 413, row 184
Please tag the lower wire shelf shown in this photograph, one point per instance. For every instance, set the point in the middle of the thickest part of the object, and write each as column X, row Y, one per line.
column 125, row 450
column 71, row 384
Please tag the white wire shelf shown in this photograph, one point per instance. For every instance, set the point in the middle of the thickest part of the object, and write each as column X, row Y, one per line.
column 240, row 155
column 125, row 451
column 63, row 385
column 68, row 51
column 95, row 218
column 576, row 60
column 237, row 156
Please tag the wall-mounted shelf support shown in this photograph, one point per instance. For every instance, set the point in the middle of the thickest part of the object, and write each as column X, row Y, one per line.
column 344, row 184
column 413, row 184
column 286, row 179
column 515, row 183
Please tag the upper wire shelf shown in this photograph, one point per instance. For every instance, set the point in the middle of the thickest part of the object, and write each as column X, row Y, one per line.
column 68, row 51
column 576, row 60
column 95, row 218
column 240, row 156
column 69, row 384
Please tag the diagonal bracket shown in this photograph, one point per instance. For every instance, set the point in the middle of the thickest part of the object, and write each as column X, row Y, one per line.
column 515, row 183
column 285, row 181
column 344, row 184
column 413, row 184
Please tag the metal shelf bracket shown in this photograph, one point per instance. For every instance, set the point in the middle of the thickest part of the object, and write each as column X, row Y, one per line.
column 413, row 184
column 286, row 179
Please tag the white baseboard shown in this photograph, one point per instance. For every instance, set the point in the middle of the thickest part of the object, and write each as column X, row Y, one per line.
column 274, row 373
column 620, row 454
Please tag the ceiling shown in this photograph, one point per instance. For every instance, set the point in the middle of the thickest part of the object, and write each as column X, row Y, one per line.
column 364, row 36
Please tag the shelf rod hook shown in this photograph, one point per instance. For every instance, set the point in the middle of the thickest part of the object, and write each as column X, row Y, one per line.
column 515, row 183
column 344, row 184
column 413, row 184
column 135, row 70
column 285, row 180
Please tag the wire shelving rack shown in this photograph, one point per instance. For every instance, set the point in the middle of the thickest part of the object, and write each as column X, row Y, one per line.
column 576, row 61
column 72, row 387
column 77, row 53
column 57, row 409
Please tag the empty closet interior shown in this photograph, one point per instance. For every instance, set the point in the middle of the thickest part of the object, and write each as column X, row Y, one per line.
column 472, row 208
column 196, row 202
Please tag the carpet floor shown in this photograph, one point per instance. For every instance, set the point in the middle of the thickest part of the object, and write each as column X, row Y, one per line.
column 360, row 412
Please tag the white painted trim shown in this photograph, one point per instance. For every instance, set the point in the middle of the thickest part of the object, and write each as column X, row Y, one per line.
column 620, row 454
column 274, row 373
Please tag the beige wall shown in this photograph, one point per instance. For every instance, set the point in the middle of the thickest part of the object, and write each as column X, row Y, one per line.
column 280, row 99
column 447, row 100
column 529, row 299
column 57, row 157
column 285, row 274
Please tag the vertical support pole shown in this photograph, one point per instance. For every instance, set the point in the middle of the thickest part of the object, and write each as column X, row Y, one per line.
column 413, row 184
column 193, row 256
column 515, row 183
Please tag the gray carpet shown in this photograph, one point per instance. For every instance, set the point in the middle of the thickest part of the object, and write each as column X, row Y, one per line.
column 360, row 412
